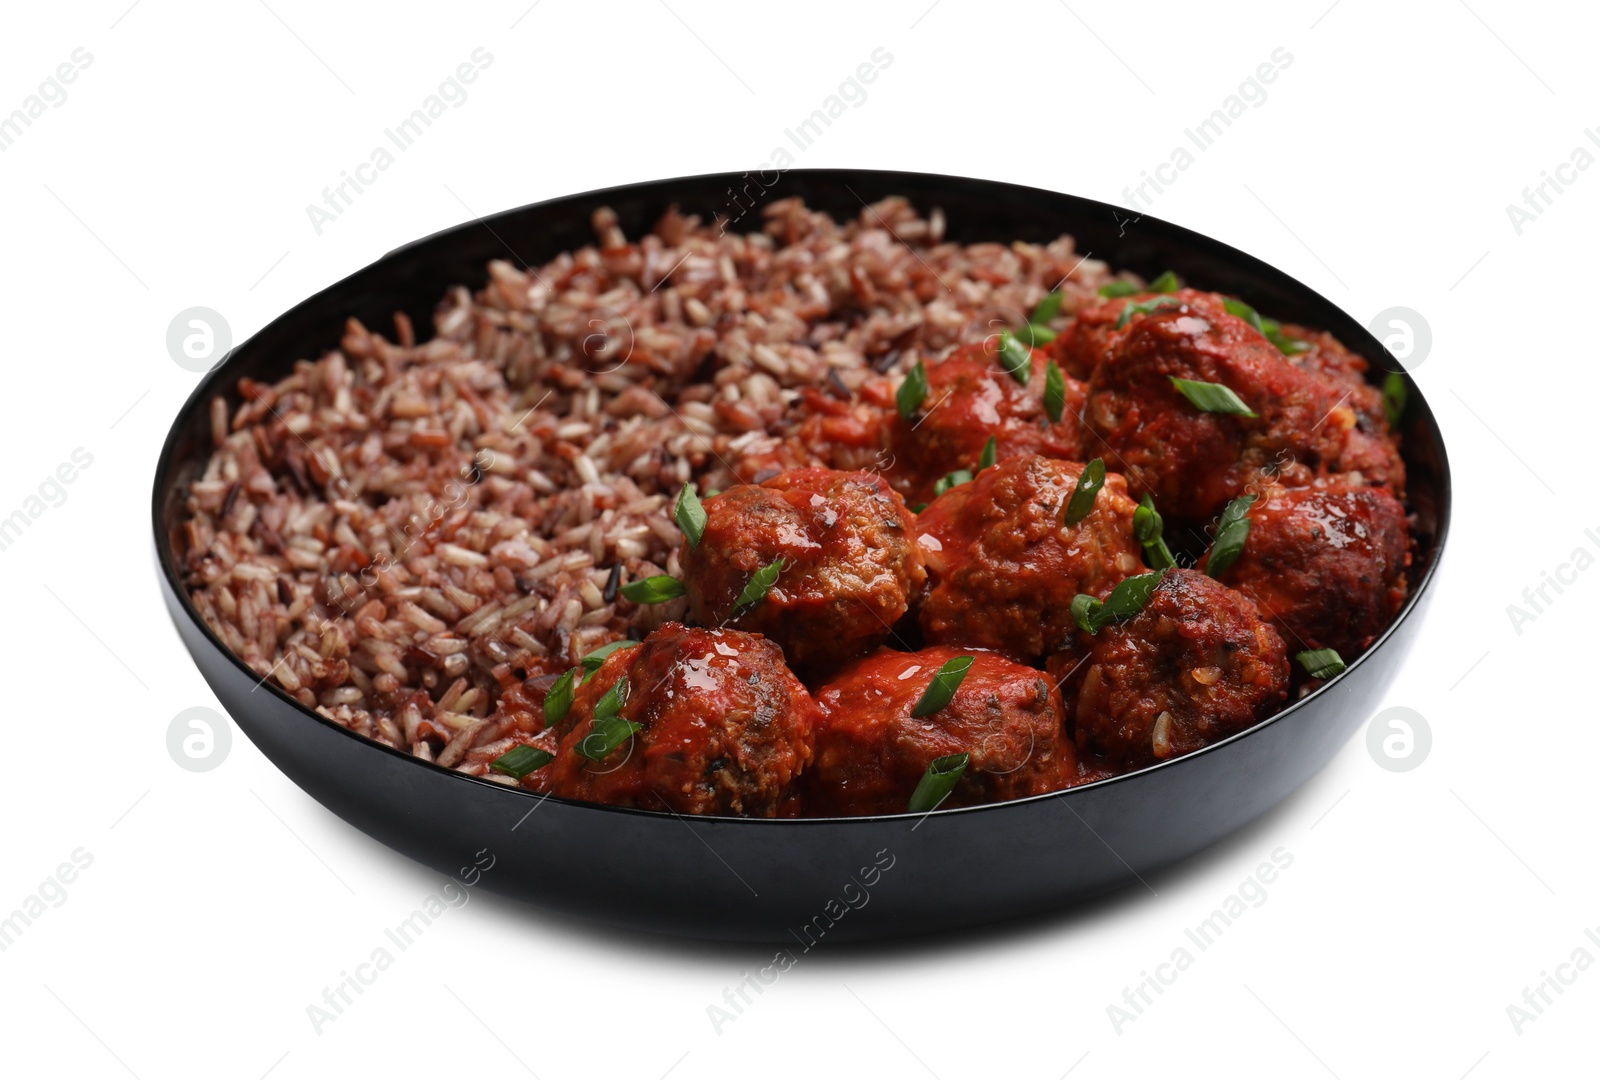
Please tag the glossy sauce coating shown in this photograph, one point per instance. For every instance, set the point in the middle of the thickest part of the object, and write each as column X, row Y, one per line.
column 1004, row 565
column 1197, row 664
column 871, row 752
column 850, row 564
column 1325, row 565
column 971, row 398
column 725, row 728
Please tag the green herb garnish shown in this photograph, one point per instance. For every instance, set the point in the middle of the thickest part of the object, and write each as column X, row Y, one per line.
column 1320, row 663
column 1147, row 526
column 943, row 687
column 1034, row 335
column 1211, row 397
column 937, row 783
column 1015, row 357
column 690, row 515
column 607, row 730
column 1113, row 289
column 950, row 480
column 1090, row 481
column 1394, row 397
column 986, row 458
column 1046, row 309
column 519, row 761
column 1055, row 392
column 755, row 590
column 592, row 661
column 1167, row 283
column 559, row 698
column 1232, row 530
column 1128, row 599
column 1145, row 307
column 912, row 391
column 654, row 590
column 1243, row 311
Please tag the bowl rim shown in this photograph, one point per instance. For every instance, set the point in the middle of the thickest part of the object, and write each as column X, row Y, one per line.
column 203, row 390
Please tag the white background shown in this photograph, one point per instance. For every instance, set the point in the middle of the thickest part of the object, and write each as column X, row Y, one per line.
column 219, row 905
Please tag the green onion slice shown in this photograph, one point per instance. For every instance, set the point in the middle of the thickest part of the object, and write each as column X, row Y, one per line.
column 986, row 459
column 592, row 661
column 1055, row 392
column 1394, row 397
column 937, row 783
column 1211, row 397
column 690, row 515
column 1286, row 344
column 608, row 730
column 1090, row 481
column 755, row 590
column 1232, row 530
column 1320, row 663
column 1167, row 283
column 1128, row 599
column 943, row 687
column 1034, row 335
column 1015, row 357
column 559, row 698
column 654, row 590
column 950, row 480
column 519, row 761
column 1046, row 309
column 915, row 387
column 1145, row 307
column 1147, row 526
column 1245, row 312
column 1113, row 289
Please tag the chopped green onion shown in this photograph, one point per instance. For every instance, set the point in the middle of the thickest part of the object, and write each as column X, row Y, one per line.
column 1015, row 357
column 690, row 515
column 986, row 459
column 1167, row 283
column 1394, row 397
column 559, row 698
column 592, row 661
column 607, row 730
column 1145, row 307
column 1046, row 309
column 1034, row 335
column 1055, row 392
column 943, row 687
column 755, row 590
column 1211, row 397
column 1286, row 344
column 519, row 761
column 1128, row 599
column 955, row 479
column 915, row 387
column 654, row 590
column 1113, row 289
column 1090, row 481
column 1147, row 526
column 1320, row 663
column 937, row 783
column 919, row 508
column 1232, row 529
column 1245, row 312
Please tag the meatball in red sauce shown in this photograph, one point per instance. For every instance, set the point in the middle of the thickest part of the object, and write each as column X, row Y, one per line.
column 871, row 752
column 1196, row 664
column 972, row 398
column 1194, row 461
column 850, row 566
column 1088, row 338
column 1326, row 565
column 724, row 727
column 1004, row 565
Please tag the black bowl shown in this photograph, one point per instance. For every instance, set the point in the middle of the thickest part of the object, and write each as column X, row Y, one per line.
column 795, row 881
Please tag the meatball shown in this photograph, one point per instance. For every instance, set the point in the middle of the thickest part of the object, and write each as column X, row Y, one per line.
column 724, row 726
column 1192, row 461
column 970, row 399
column 1325, row 565
column 849, row 568
column 1003, row 565
column 1087, row 339
column 834, row 428
column 1195, row 665
column 871, row 752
